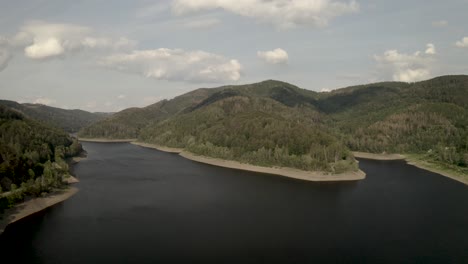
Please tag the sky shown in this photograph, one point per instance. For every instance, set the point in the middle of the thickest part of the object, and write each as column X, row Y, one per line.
column 108, row 55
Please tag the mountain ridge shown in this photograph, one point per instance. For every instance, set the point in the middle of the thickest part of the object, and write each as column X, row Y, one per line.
column 370, row 117
column 70, row 120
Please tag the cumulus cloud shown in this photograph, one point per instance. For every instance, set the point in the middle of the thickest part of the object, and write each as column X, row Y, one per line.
column 276, row 56
column 43, row 40
column 462, row 43
column 176, row 65
column 407, row 67
column 281, row 13
column 121, row 96
column 440, row 23
column 430, row 49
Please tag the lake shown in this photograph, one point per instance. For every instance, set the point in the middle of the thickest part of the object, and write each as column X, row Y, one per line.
column 139, row 205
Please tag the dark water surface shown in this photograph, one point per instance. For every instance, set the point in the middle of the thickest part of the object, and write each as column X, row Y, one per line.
column 139, row 205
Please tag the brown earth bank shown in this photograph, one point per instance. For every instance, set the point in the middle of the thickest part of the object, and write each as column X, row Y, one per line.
column 33, row 206
column 38, row 204
column 281, row 171
column 105, row 140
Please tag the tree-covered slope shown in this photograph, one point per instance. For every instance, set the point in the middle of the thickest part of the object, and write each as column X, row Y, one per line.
column 32, row 156
column 128, row 123
column 255, row 130
column 69, row 120
column 428, row 118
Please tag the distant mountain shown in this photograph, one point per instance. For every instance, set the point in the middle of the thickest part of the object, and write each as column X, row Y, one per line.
column 69, row 120
column 128, row 123
column 307, row 129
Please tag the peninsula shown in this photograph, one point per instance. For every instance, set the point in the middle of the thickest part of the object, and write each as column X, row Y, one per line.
column 280, row 171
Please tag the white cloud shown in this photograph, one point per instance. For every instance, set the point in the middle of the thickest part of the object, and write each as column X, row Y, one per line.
column 281, row 13
column 407, row 67
column 50, row 47
column 43, row 40
column 440, row 23
column 462, row 43
column 176, row 65
column 121, row 96
column 44, row 101
column 202, row 23
column 430, row 49
column 276, row 56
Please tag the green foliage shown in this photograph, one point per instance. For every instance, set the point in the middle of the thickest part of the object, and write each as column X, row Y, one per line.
column 273, row 123
column 128, row 123
column 31, row 156
column 69, row 120
column 253, row 130
column 429, row 118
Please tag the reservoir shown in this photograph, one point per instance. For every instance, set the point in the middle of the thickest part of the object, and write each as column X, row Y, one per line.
column 138, row 205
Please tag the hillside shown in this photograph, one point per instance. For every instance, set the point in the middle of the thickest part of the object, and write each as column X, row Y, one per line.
column 69, row 120
column 32, row 156
column 250, row 122
column 128, row 123
column 255, row 130
column 429, row 118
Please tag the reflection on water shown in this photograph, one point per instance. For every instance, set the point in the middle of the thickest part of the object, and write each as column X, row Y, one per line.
column 139, row 205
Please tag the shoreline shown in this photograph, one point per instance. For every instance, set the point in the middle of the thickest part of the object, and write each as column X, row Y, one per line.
column 414, row 162
column 161, row 148
column 104, row 140
column 314, row 176
column 373, row 156
column 33, row 206
column 37, row 204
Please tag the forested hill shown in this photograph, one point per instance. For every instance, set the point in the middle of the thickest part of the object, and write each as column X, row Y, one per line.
column 128, row 123
column 69, row 120
column 255, row 122
column 32, row 156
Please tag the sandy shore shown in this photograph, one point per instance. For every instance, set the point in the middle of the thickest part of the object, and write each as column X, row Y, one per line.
column 281, row 171
column 161, row 148
column 71, row 179
column 33, row 206
column 104, row 140
column 415, row 162
column 366, row 155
